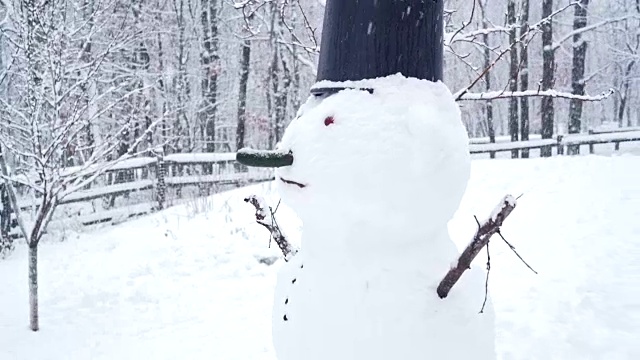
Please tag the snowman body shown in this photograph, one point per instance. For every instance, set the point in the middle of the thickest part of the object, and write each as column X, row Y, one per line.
column 375, row 179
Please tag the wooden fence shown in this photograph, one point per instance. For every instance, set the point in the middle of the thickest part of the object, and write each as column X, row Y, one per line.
column 163, row 180
column 561, row 142
column 158, row 182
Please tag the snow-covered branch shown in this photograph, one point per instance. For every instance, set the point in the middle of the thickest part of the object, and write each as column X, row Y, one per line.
column 459, row 36
column 265, row 217
column 481, row 238
column 492, row 95
column 594, row 26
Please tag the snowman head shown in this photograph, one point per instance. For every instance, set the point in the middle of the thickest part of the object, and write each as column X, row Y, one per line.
column 397, row 155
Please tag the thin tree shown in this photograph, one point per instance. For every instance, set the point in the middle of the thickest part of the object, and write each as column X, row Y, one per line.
column 524, row 77
column 548, row 75
column 577, row 72
column 242, row 95
column 488, row 108
column 210, row 59
column 51, row 115
column 513, row 74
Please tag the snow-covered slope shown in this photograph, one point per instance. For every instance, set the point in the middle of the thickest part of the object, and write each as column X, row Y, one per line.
column 191, row 283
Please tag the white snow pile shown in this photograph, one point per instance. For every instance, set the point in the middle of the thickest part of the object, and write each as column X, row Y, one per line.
column 179, row 285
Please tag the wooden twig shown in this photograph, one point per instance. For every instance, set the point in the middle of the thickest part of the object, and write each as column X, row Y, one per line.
column 486, row 281
column 513, row 248
column 480, row 239
column 261, row 218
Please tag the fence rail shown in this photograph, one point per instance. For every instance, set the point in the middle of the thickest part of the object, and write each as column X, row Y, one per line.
column 157, row 177
column 153, row 178
column 560, row 142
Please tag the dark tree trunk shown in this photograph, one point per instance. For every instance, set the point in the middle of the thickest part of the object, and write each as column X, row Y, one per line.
column 577, row 73
column 275, row 96
column 513, row 75
column 295, row 87
column 140, row 64
column 624, row 93
column 524, row 77
column 242, row 96
column 89, row 140
column 6, row 241
column 164, row 128
column 281, row 99
column 181, row 86
column 548, row 70
column 487, row 79
column 210, row 65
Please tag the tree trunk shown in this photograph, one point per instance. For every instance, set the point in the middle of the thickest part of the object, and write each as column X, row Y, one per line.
column 242, row 96
column 33, row 287
column 513, row 75
column 6, row 241
column 524, row 77
column 577, row 73
column 281, row 99
column 487, row 78
column 624, row 94
column 164, row 129
column 181, row 128
column 548, row 70
column 273, row 85
column 87, row 89
column 210, row 63
column 295, row 64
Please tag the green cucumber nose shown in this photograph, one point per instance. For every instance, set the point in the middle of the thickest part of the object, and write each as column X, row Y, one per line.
column 264, row 158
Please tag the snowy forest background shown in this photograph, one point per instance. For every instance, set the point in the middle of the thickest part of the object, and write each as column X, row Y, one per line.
column 107, row 104
column 91, row 80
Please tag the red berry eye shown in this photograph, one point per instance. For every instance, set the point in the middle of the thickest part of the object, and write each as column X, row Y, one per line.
column 328, row 121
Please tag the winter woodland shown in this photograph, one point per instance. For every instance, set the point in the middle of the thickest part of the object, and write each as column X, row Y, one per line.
column 95, row 80
column 88, row 83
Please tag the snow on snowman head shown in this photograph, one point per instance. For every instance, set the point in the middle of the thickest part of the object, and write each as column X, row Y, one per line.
column 390, row 150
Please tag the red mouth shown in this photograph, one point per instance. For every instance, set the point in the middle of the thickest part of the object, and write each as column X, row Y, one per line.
column 291, row 182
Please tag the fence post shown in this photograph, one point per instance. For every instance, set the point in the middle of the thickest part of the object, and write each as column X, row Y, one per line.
column 617, row 144
column 161, row 187
column 591, row 144
column 560, row 146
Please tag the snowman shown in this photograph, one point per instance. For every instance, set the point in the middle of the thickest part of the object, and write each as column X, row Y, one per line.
column 379, row 167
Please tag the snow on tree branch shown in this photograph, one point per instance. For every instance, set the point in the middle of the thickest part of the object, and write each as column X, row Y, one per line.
column 525, row 38
column 459, row 36
column 594, row 26
column 492, row 95
column 481, row 238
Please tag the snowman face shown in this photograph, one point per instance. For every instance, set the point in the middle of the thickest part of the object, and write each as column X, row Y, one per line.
column 388, row 156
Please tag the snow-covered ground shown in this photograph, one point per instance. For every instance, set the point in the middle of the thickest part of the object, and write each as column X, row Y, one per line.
column 192, row 283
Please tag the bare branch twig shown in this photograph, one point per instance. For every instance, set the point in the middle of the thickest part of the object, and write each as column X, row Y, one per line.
column 480, row 239
column 492, row 95
column 486, row 281
column 513, row 248
column 261, row 214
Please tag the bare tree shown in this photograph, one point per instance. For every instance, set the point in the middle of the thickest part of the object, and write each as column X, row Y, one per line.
column 51, row 114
